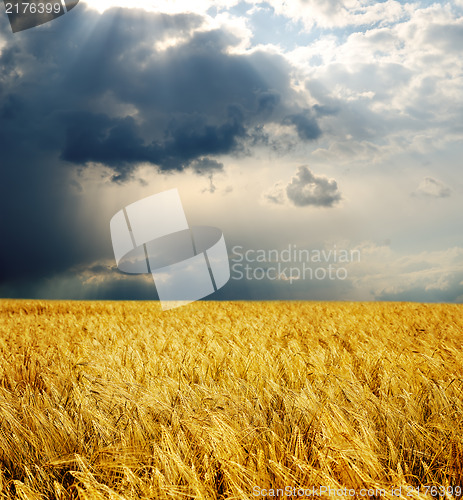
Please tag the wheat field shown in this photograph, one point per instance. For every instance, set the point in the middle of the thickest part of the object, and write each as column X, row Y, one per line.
column 230, row 400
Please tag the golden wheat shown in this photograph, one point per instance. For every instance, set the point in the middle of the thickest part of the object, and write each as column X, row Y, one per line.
column 228, row 400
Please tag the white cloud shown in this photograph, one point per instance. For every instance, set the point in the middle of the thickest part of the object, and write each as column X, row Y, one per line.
column 394, row 88
column 305, row 189
column 426, row 276
column 433, row 188
column 340, row 13
column 276, row 194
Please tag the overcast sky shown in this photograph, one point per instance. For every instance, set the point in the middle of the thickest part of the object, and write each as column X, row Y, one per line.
column 309, row 125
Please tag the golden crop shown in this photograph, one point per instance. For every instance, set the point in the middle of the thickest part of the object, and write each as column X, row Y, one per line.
column 113, row 400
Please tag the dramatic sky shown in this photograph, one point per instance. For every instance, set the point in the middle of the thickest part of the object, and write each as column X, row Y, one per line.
column 312, row 125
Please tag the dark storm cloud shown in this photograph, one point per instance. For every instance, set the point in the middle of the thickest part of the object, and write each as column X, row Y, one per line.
column 306, row 189
column 42, row 234
column 192, row 100
column 117, row 142
column 77, row 83
column 268, row 101
column 88, row 88
column 306, row 125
